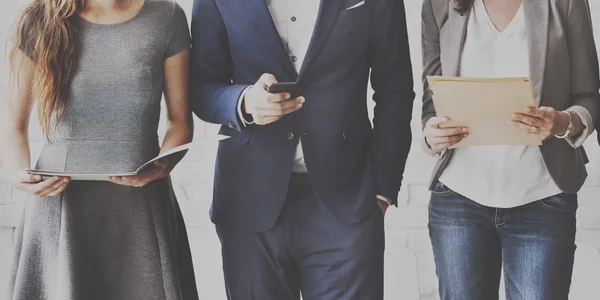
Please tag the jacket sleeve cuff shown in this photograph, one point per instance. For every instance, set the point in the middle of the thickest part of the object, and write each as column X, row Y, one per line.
column 587, row 121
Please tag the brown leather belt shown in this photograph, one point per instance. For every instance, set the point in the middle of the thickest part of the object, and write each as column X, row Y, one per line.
column 300, row 179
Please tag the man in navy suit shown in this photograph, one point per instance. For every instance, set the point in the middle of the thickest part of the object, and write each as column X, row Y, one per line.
column 302, row 182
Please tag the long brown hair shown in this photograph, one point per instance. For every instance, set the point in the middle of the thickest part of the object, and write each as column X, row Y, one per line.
column 46, row 34
column 462, row 6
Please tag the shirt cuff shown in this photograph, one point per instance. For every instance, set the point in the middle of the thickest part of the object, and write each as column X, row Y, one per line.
column 586, row 121
column 239, row 108
column 384, row 199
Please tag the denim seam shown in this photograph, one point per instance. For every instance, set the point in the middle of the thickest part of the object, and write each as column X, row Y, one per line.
column 442, row 194
column 555, row 209
column 445, row 193
column 496, row 219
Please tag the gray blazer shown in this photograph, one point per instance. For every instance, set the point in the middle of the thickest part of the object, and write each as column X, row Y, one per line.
column 564, row 70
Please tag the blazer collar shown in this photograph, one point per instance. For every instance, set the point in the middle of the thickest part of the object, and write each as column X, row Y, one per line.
column 537, row 14
column 328, row 12
column 264, row 20
column 457, row 24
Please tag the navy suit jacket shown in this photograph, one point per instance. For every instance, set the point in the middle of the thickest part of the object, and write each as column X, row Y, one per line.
column 349, row 162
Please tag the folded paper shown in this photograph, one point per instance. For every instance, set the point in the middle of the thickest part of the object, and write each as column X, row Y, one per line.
column 485, row 106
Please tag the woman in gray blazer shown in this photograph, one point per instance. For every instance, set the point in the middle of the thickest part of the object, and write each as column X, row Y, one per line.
column 510, row 204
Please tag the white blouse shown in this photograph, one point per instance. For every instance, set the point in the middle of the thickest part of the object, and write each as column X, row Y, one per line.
column 498, row 176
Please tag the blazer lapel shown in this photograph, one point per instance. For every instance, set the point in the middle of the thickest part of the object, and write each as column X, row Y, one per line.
column 451, row 58
column 537, row 16
column 264, row 20
column 328, row 12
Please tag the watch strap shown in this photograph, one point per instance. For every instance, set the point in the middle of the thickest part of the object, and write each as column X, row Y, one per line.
column 569, row 126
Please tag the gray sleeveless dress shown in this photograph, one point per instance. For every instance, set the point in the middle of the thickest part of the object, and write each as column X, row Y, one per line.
column 99, row 240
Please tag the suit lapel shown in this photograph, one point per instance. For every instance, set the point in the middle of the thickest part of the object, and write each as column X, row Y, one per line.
column 264, row 20
column 536, row 16
column 327, row 14
column 452, row 57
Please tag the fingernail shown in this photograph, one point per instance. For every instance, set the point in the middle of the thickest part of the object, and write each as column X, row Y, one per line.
column 65, row 180
column 38, row 177
column 287, row 95
column 465, row 129
column 302, row 99
column 466, row 135
column 530, row 110
column 299, row 106
column 445, row 119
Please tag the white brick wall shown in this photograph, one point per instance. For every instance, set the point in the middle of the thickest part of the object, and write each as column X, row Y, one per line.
column 410, row 271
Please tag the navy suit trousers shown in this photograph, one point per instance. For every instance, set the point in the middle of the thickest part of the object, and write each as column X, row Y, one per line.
column 308, row 251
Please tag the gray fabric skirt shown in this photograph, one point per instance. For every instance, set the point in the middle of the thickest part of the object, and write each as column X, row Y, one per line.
column 102, row 241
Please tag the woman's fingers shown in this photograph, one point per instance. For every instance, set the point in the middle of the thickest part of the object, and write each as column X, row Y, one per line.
column 435, row 122
column 440, row 139
column 448, row 139
column 543, row 114
column 25, row 177
column 528, row 119
column 41, row 189
column 523, row 126
column 541, row 132
column 162, row 163
column 145, row 177
column 444, row 132
column 58, row 188
column 133, row 181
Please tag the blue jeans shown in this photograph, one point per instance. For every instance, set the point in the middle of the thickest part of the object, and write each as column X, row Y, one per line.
column 536, row 243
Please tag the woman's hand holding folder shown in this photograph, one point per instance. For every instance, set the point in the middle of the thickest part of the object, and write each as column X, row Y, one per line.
column 440, row 139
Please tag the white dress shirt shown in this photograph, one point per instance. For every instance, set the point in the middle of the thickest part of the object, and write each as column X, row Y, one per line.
column 295, row 21
column 500, row 176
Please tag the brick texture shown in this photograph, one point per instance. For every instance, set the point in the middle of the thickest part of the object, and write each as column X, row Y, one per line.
column 410, row 271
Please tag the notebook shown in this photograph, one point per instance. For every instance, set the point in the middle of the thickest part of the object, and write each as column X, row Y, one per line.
column 104, row 177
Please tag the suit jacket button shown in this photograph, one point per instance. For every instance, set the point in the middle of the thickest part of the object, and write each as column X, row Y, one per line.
column 290, row 136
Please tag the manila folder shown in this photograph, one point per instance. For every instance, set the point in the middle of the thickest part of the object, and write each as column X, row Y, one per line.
column 485, row 106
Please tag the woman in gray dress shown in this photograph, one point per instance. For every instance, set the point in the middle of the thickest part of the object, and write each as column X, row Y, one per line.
column 98, row 70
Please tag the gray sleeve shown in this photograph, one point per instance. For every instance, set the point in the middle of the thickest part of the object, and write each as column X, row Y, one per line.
column 430, row 46
column 179, row 33
column 584, row 65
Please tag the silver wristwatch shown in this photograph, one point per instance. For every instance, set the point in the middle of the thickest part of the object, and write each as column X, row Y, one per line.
column 569, row 127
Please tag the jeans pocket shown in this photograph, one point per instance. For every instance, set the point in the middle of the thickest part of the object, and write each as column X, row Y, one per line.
column 441, row 190
column 562, row 203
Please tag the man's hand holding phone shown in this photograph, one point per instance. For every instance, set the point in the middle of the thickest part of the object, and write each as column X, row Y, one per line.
column 265, row 107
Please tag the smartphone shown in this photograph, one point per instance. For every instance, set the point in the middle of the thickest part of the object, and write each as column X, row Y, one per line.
column 285, row 87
